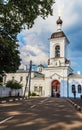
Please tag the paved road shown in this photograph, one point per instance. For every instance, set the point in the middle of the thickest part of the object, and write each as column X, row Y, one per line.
column 40, row 114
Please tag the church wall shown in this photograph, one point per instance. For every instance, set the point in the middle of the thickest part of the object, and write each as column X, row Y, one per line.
column 63, row 88
column 76, row 82
column 45, row 83
column 38, row 83
column 66, row 51
column 53, row 43
column 52, row 49
column 48, row 87
column 17, row 77
column 62, row 49
column 59, row 74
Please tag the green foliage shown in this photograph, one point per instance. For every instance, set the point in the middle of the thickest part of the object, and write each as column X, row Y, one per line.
column 14, row 15
column 9, row 55
column 33, row 94
column 13, row 84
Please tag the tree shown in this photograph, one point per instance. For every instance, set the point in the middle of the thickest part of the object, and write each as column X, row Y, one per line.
column 14, row 16
column 13, row 84
column 9, row 55
column 20, row 12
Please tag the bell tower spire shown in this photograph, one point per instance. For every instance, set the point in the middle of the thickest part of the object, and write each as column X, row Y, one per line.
column 59, row 47
column 59, row 24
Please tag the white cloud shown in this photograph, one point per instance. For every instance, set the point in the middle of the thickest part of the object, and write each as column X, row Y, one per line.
column 34, row 53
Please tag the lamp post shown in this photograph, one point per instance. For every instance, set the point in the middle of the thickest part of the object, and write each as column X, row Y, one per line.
column 28, row 80
column 68, row 86
column 30, row 69
column 26, row 86
column 63, row 82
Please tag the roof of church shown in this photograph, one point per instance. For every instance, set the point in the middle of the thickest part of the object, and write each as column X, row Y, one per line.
column 41, row 65
column 37, row 74
column 58, row 34
column 22, row 71
column 75, row 75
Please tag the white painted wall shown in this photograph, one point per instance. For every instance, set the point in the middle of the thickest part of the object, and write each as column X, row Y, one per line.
column 5, row 92
column 76, row 82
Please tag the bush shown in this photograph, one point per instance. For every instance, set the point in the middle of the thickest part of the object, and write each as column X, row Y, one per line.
column 13, row 84
column 33, row 94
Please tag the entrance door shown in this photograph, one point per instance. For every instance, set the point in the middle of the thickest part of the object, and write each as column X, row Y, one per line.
column 55, row 88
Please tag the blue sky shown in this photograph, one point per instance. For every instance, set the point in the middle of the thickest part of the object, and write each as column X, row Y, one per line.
column 34, row 43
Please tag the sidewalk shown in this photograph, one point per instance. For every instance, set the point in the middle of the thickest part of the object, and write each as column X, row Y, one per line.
column 78, row 101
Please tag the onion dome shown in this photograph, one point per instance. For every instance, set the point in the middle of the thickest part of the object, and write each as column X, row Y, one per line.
column 59, row 21
column 59, row 33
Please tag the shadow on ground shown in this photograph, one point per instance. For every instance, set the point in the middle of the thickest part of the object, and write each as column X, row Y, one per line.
column 53, row 114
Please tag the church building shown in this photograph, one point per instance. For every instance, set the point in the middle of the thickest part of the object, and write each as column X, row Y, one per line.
column 57, row 79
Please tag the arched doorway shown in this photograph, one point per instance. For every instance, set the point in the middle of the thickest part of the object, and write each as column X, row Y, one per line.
column 55, row 88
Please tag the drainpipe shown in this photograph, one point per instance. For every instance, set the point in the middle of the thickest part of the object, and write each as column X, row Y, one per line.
column 67, row 87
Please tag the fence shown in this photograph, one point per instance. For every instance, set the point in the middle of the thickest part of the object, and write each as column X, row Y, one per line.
column 6, row 92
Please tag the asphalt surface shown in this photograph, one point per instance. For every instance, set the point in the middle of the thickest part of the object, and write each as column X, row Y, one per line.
column 40, row 114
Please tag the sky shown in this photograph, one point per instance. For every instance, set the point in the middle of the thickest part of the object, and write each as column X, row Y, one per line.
column 34, row 43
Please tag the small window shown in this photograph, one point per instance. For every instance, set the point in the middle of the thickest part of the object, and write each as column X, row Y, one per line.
column 13, row 77
column 21, row 79
column 79, row 88
column 40, row 89
column 73, row 89
column 57, row 51
column 35, row 88
column 40, row 69
column 26, row 77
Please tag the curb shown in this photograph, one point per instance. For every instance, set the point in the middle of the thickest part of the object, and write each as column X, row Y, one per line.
column 77, row 107
column 12, row 100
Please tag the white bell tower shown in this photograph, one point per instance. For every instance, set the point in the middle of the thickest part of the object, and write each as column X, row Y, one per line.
column 58, row 47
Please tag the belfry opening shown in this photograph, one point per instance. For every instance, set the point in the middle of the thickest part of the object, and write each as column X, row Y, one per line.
column 55, row 88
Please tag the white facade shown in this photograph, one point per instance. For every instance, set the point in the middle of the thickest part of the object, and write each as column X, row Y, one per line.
column 57, row 79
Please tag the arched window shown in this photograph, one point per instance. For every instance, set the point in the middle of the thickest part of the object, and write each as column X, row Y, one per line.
column 13, row 77
column 57, row 51
column 79, row 88
column 40, row 89
column 35, row 89
column 40, row 69
column 21, row 79
column 73, row 88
